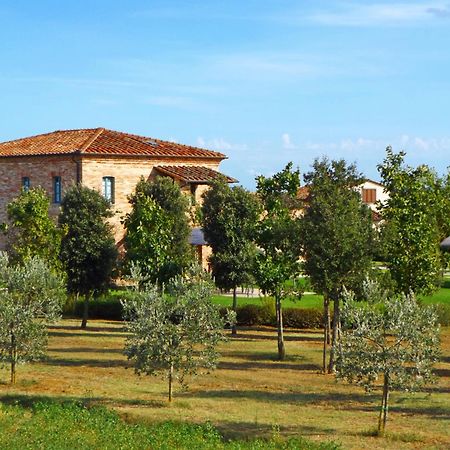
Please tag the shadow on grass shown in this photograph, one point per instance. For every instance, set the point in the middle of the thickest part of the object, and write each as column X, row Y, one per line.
column 117, row 351
column 242, row 430
column 247, row 337
column 228, row 365
column 299, row 398
column 28, row 401
column 117, row 329
column 265, row 360
column 74, row 362
column 335, row 400
column 82, row 334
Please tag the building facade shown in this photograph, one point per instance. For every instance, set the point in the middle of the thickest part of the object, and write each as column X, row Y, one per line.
column 108, row 161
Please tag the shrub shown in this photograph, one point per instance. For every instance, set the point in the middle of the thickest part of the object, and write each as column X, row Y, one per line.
column 249, row 315
column 443, row 312
column 303, row 318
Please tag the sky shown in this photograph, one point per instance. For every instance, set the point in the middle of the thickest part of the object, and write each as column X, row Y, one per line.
column 263, row 81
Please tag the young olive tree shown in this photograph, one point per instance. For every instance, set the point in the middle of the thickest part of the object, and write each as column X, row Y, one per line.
column 88, row 251
column 277, row 237
column 229, row 219
column 31, row 296
column 30, row 230
column 336, row 234
column 174, row 333
column 158, row 230
column 392, row 337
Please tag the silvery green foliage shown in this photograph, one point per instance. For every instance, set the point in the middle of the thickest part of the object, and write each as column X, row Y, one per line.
column 174, row 333
column 388, row 335
column 30, row 297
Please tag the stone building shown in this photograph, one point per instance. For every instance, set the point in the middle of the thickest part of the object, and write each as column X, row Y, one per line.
column 109, row 161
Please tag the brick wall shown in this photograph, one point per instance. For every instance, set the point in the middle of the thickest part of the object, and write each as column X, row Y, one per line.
column 126, row 173
column 40, row 171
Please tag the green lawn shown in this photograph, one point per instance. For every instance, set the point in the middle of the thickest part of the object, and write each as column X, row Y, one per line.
column 440, row 296
column 251, row 395
column 307, row 301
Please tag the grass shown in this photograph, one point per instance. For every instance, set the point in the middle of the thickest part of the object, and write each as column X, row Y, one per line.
column 250, row 395
column 307, row 301
column 51, row 425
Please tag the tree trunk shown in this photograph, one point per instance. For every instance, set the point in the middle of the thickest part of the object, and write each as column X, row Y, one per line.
column 328, row 323
column 170, row 382
column 326, row 331
column 233, row 327
column 334, row 340
column 281, row 349
column 384, row 406
column 85, row 312
column 13, row 354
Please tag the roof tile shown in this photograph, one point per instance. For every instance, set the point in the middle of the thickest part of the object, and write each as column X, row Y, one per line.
column 193, row 174
column 100, row 141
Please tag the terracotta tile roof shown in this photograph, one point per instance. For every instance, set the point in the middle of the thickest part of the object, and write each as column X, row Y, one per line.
column 303, row 193
column 100, row 141
column 193, row 174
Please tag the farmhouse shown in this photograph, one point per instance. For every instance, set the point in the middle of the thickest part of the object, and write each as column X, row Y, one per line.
column 109, row 161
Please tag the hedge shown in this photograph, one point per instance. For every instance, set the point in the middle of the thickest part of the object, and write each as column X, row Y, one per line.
column 110, row 308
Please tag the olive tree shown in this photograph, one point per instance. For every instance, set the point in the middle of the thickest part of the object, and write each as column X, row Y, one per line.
column 389, row 337
column 174, row 333
column 31, row 296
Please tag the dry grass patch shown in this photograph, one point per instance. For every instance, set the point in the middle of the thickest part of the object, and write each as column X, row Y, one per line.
column 249, row 394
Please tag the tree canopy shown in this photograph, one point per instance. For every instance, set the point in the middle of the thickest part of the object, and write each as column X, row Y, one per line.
column 229, row 218
column 157, row 229
column 389, row 336
column 31, row 296
column 336, row 234
column 88, row 250
column 414, row 223
column 174, row 333
column 30, row 230
column 277, row 237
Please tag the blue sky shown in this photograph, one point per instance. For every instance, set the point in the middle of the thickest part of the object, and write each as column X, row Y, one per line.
column 264, row 81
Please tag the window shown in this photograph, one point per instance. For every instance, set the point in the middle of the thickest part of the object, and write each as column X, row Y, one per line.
column 56, row 189
column 26, row 183
column 108, row 188
column 369, row 195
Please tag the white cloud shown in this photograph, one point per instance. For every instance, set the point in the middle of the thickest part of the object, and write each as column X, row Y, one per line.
column 287, row 143
column 220, row 144
column 355, row 15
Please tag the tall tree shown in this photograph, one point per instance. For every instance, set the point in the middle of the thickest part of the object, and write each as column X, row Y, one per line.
column 389, row 336
column 158, row 229
column 336, row 234
column 414, row 221
column 278, row 261
column 88, row 250
column 229, row 218
column 174, row 334
column 30, row 230
column 31, row 296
